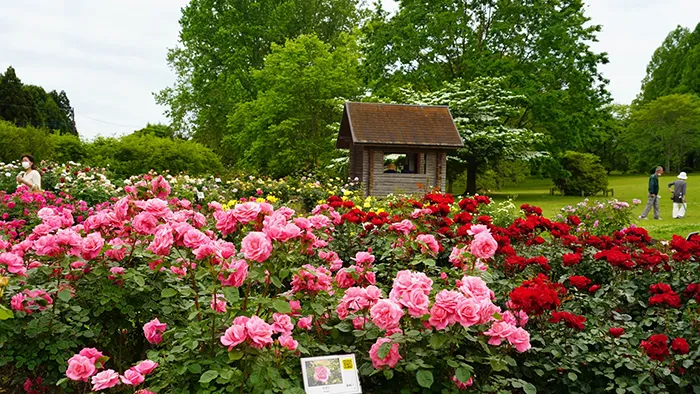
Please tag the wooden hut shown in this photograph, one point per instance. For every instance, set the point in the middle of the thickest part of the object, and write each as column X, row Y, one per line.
column 398, row 148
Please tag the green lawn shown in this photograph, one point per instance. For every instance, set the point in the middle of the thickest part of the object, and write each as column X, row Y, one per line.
column 627, row 187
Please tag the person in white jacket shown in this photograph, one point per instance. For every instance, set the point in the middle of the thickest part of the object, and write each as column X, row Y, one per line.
column 30, row 177
column 678, row 189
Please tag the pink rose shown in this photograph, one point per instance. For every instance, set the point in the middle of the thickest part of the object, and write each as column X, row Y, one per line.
column 162, row 241
column 520, row 339
column 104, row 380
column 475, row 287
column 322, row 374
column 239, row 275
column 145, row 223
column 344, row 279
column 386, row 314
column 14, row 263
column 478, row 229
column 218, row 303
column 448, row 300
column 319, row 221
column 304, row 323
column 405, row 227
column 282, row 324
column 247, row 212
column 225, row 221
column 416, row 301
column 47, row 246
column 80, row 368
column 359, row 322
column 234, row 335
column 288, row 342
column 363, row 259
column 463, row 385
column 483, row 246
column 486, row 310
column 199, row 220
column 259, row 332
column 430, row 243
column 132, row 378
column 256, row 246
column 145, row 367
column 302, row 223
column 499, row 331
column 153, row 330
column 17, row 302
column 117, row 251
column 439, row 317
column 91, row 246
column 468, row 312
column 195, row 238
column 91, row 353
column 391, row 359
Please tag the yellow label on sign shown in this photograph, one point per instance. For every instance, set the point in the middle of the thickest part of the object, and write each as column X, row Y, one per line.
column 347, row 363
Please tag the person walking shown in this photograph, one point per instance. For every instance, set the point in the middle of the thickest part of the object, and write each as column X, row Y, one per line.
column 678, row 189
column 653, row 200
column 30, row 177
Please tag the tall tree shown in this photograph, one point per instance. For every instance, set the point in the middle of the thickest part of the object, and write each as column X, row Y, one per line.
column 480, row 109
column 14, row 104
column 665, row 131
column 674, row 66
column 292, row 123
column 541, row 47
column 223, row 41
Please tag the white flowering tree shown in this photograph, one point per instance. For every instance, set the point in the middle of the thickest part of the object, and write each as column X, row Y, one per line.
column 488, row 118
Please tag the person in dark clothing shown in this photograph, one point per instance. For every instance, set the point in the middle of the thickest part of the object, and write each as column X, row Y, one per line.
column 678, row 189
column 653, row 200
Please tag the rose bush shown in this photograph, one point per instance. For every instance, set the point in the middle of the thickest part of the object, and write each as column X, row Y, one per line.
column 428, row 293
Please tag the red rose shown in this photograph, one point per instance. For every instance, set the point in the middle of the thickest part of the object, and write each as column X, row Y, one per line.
column 594, row 288
column 680, row 346
column 570, row 259
column 616, row 332
column 569, row 319
column 656, row 347
column 580, row 282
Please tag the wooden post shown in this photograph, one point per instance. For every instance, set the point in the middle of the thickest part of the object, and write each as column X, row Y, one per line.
column 370, row 182
column 438, row 175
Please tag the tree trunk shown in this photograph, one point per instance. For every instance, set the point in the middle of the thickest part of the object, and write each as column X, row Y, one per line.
column 471, row 176
column 450, row 182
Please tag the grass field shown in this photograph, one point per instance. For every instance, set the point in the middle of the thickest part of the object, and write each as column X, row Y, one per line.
column 626, row 187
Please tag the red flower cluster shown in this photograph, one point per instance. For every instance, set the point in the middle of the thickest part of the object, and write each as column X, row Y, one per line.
column 570, row 320
column 684, row 250
column 531, row 210
column 693, row 291
column 616, row 332
column 570, row 259
column 537, row 295
column 616, row 257
column 579, row 282
column 337, row 202
column 656, row 347
column 680, row 346
column 663, row 294
column 519, row 263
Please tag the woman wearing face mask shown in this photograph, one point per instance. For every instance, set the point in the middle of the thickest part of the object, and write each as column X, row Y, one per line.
column 30, row 177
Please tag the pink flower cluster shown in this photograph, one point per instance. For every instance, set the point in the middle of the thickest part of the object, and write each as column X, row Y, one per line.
column 258, row 334
column 404, row 227
column 358, row 274
column 428, row 244
column 13, row 263
column 357, row 299
column 470, row 306
column 85, row 364
column 391, row 359
column 31, row 301
column 503, row 330
column 411, row 290
column 309, row 279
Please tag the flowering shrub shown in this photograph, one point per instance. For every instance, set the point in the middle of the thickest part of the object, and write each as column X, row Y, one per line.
column 153, row 293
column 599, row 218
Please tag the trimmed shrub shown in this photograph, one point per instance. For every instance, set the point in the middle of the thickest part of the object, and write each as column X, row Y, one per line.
column 580, row 174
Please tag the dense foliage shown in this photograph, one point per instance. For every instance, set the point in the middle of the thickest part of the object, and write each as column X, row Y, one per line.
column 431, row 295
column 579, row 174
column 29, row 105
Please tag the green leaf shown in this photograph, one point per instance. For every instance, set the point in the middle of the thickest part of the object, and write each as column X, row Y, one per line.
column 61, row 381
column 676, row 379
column 572, row 376
column 429, row 262
column 167, row 293
column 635, row 389
column 235, row 355
column 437, row 340
column 231, row 293
column 140, row 282
column 194, row 368
column 424, row 378
column 344, row 326
column 5, row 313
column 64, row 295
column 463, row 374
column 281, row 306
column 208, row 376
column 498, row 365
column 687, row 363
column 275, row 281
column 388, row 373
column 529, row 388
column 384, row 350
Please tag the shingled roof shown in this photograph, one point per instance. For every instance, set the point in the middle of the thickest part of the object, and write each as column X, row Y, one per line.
column 396, row 124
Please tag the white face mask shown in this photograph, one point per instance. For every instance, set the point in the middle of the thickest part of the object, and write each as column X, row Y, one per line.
column 26, row 164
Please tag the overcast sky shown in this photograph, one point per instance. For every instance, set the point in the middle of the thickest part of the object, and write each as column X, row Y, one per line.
column 109, row 55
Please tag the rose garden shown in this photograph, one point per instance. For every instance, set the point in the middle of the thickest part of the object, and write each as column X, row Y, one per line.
column 152, row 290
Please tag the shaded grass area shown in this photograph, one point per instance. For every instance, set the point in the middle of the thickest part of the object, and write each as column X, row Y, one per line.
column 626, row 188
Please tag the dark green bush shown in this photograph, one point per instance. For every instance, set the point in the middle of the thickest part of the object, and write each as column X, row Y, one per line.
column 580, row 174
